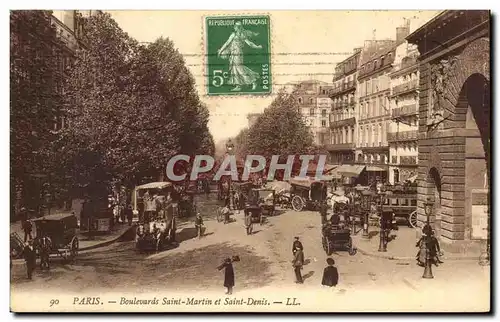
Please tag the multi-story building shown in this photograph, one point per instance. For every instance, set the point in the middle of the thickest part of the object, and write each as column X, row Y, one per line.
column 374, row 110
column 315, row 106
column 342, row 143
column 403, row 134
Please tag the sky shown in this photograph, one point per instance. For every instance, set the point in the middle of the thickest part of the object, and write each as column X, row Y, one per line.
column 304, row 45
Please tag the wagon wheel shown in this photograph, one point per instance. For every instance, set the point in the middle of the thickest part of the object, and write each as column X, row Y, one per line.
column 412, row 219
column 350, row 248
column 297, row 203
column 73, row 248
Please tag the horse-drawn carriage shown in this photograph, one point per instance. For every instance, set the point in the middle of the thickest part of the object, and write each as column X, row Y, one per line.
column 336, row 233
column 157, row 224
column 307, row 193
column 402, row 203
column 62, row 229
column 260, row 202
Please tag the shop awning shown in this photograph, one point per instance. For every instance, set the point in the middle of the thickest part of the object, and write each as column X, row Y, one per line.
column 349, row 170
column 372, row 168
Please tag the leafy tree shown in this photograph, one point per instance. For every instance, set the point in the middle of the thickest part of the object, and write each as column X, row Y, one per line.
column 35, row 83
column 280, row 130
column 241, row 143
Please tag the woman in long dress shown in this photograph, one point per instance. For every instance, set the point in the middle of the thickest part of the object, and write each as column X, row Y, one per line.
column 233, row 51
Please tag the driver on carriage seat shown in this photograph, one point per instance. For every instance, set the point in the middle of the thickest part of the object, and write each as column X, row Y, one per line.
column 335, row 219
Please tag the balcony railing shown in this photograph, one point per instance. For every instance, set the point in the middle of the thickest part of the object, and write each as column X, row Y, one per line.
column 404, row 110
column 339, row 123
column 340, row 146
column 406, row 87
column 343, row 88
column 402, row 136
column 408, row 160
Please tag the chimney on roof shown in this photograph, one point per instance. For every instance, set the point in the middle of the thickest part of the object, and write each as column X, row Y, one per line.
column 403, row 32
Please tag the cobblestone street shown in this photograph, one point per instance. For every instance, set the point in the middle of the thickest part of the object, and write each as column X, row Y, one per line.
column 265, row 264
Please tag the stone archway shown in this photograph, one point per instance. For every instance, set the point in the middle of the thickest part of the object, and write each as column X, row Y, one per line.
column 457, row 149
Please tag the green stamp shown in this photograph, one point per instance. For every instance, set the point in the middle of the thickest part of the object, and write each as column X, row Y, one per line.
column 238, row 55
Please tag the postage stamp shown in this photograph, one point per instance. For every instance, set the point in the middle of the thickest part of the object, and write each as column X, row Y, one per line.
column 238, row 55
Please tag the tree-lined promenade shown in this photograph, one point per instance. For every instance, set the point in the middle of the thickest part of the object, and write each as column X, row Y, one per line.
column 128, row 108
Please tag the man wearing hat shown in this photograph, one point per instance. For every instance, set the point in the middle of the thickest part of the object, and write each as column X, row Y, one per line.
column 228, row 274
column 297, row 245
column 330, row 274
column 30, row 258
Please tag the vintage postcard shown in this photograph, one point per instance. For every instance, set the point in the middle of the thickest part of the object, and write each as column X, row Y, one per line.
column 250, row 161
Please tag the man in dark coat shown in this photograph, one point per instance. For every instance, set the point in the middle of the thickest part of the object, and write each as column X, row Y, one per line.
column 330, row 274
column 434, row 249
column 27, row 228
column 129, row 213
column 323, row 212
column 30, row 258
column 45, row 245
column 228, row 275
column 297, row 245
column 298, row 262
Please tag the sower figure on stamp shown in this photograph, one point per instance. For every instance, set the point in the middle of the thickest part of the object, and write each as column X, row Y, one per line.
column 232, row 50
column 228, row 274
column 30, row 258
column 298, row 262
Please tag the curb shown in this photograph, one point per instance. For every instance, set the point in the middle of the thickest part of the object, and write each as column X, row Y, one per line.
column 389, row 257
column 107, row 242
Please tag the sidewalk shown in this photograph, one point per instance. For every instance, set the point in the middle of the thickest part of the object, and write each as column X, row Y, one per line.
column 85, row 243
column 401, row 248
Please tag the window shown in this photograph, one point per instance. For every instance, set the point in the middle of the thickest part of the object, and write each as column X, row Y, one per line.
column 324, row 92
column 311, row 100
column 362, row 134
column 311, row 111
column 382, row 61
column 323, row 113
column 413, row 202
column 300, row 100
column 323, row 123
column 375, row 64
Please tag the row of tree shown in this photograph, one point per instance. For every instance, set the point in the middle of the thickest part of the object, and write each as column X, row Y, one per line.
column 128, row 107
column 279, row 130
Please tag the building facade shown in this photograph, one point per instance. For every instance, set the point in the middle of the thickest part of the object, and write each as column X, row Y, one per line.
column 315, row 106
column 403, row 130
column 343, row 114
column 454, row 128
column 374, row 110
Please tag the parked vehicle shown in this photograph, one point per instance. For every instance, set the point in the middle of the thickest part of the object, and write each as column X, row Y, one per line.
column 307, row 193
column 157, row 227
column 62, row 230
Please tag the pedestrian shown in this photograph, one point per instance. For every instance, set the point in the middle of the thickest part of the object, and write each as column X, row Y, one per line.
column 248, row 222
column 27, row 228
column 237, row 201
column 228, row 275
column 45, row 245
column 323, row 212
column 330, row 274
column 297, row 245
column 30, row 258
column 129, row 213
column 298, row 262
column 435, row 249
column 198, row 224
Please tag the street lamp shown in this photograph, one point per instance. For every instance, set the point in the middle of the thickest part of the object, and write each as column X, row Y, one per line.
column 382, row 246
column 428, row 207
column 366, row 200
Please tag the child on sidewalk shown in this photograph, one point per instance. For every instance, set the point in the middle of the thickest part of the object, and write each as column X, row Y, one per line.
column 330, row 274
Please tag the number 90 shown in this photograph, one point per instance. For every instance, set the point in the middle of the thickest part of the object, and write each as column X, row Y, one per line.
column 54, row 302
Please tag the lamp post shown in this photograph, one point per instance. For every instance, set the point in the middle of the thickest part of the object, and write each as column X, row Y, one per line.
column 229, row 146
column 428, row 207
column 382, row 246
column 366, row 198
